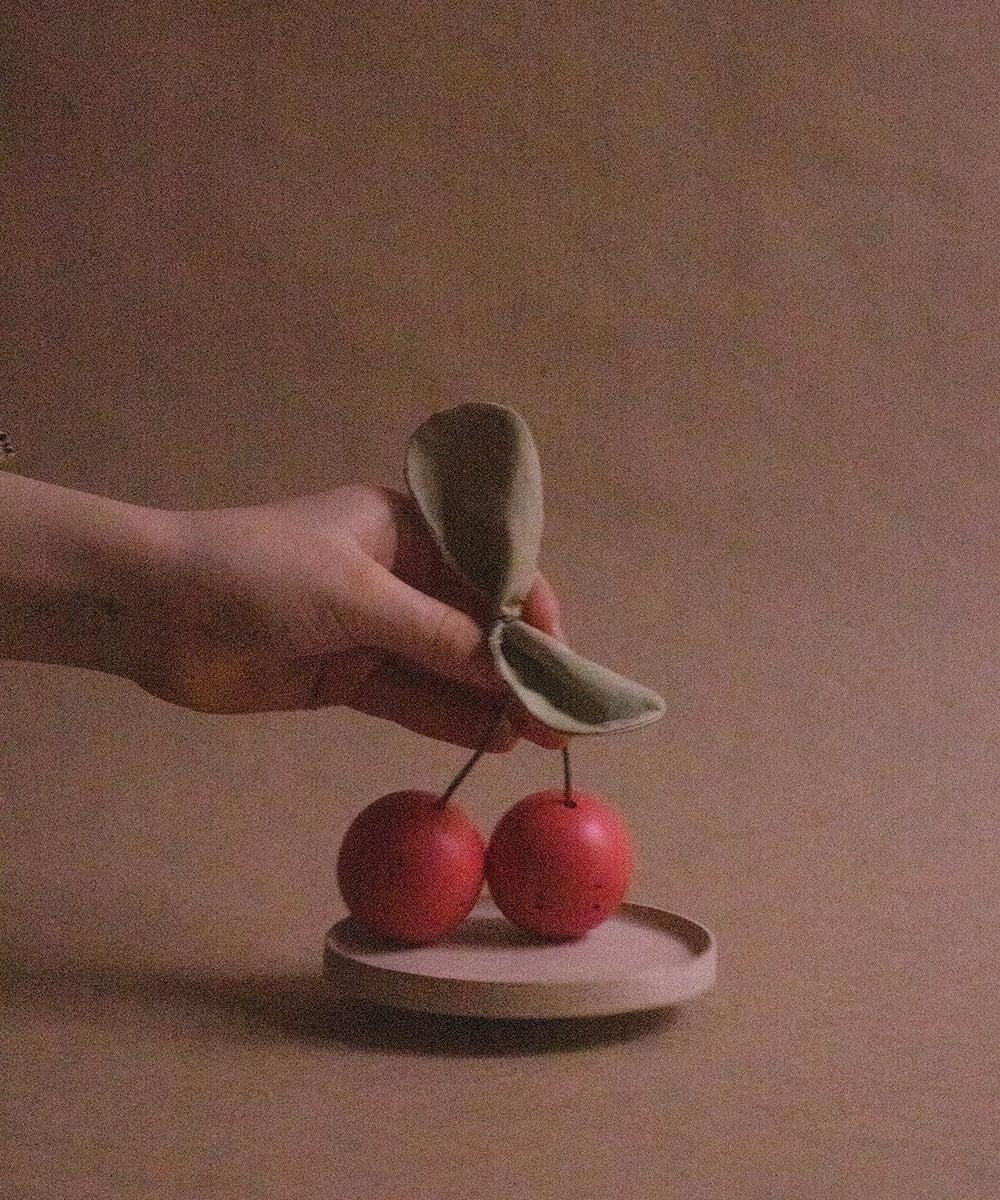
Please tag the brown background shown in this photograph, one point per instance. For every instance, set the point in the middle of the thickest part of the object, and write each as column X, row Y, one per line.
column 737, row 265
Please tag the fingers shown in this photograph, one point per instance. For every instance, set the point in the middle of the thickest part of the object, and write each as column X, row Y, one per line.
column 419, row 563
column 430, row 634
column 440, row 679
column 434, row 707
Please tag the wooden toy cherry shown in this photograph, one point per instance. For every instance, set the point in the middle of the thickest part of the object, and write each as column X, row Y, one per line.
column 559, row 862
column 559, row 868
column 411, row 867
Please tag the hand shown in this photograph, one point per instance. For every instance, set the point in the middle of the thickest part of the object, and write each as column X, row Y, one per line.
column 340, row 598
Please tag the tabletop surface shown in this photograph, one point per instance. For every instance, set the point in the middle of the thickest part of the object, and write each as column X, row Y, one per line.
column 736, row 265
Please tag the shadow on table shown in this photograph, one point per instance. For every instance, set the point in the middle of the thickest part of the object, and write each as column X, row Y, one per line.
column 298, row 1008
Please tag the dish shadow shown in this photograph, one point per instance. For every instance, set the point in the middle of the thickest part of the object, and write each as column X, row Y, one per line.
column 300, row 1008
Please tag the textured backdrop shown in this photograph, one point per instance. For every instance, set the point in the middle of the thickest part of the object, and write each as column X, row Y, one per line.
column 736, row 264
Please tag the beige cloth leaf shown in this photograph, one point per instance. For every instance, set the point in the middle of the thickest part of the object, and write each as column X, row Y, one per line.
column 474, row 472
column 475, row 475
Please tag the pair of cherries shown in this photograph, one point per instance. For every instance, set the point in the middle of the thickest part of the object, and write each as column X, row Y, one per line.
column 412, row 865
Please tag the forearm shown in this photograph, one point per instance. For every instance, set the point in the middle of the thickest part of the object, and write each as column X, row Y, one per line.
column 75, row 569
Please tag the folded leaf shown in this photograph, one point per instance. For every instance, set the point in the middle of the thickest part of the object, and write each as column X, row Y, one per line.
column 475, row 476
column 474, row 473
column 563, row 690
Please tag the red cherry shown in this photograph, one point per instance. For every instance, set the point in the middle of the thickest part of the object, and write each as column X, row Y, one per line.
column 410, row 867
column 559, row 868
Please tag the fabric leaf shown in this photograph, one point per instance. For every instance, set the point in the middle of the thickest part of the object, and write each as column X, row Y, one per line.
column 474, row 473
column 564, row 690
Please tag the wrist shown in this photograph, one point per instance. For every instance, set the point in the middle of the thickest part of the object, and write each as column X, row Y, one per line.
column 77, row 572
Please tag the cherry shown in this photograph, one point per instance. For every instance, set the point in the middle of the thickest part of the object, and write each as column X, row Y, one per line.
column 559, row 863
column 411, row 867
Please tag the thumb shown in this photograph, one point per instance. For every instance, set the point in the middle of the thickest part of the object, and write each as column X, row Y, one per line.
column 397, row 618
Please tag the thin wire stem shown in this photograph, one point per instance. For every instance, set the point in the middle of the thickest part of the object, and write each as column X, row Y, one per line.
column 480, row 751
column 570, row 802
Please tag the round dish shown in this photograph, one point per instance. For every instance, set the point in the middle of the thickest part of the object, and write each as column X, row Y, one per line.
column 641, row 958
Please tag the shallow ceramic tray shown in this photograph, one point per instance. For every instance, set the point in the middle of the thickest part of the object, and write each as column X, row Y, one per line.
column 641, row 958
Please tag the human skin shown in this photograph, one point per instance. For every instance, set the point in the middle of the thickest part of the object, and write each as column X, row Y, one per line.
column 340, row 598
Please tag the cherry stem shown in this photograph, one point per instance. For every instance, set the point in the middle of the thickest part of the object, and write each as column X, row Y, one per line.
column 570, row 802
column 480, row 751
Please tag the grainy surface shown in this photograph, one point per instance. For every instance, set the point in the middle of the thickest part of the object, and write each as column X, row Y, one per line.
column 736, row 264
